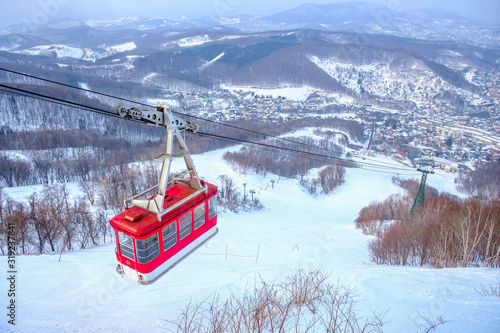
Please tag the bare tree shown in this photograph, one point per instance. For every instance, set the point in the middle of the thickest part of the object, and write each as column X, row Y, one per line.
column 90, row 190
column 228, row 196
column 103, row 225
column 47, row 225
column 331, row 177
column 492, row 238
column 470, row 229
column 20, row 219
column 42, row 168
column 88, row 231
column 14, row 172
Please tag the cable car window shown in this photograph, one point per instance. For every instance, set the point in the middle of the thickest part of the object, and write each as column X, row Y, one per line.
column 212, row 207
column 169, row 235
column 199, row 216
column 147, row 249
column 126, row 245
column 185, row 226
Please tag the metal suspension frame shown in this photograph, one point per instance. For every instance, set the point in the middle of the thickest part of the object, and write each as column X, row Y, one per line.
column 420, row 198
column 174, row 126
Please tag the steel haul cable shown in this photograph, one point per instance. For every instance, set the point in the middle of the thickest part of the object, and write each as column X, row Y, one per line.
column 150, row 106
column 47, row 98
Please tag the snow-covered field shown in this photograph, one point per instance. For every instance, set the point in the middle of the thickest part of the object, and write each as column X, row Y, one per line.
column 83, row 293
column 298, row 94
column 193, row 41
column 61, row 51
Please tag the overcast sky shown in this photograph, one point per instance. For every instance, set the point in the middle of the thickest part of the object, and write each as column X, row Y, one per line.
column 39, row 11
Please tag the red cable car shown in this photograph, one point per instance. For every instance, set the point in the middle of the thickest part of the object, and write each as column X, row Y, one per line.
column 154, row 234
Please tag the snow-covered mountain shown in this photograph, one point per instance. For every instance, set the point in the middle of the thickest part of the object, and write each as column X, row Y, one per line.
column 364, row 66
column 407, row 59
column 432, row 24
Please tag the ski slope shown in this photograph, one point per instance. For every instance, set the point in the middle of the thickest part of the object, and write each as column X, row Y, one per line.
column 83, row 293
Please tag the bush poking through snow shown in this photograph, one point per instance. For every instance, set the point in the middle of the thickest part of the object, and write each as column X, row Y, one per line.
column 489, row 290
column 303, row 302
column 426, row 324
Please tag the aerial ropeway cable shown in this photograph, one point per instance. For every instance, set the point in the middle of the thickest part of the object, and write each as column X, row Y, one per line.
column 23, row 92
column 147, row 105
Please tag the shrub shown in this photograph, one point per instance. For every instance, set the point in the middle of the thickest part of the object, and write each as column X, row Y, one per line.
column 442, row 233
column 303, row 302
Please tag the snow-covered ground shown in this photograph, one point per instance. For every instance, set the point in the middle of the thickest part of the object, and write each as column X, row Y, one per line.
column 211, row 62
column 122, row 47
column 61, row 51
column 298, row 94
column 193, row 41
column 83, row 293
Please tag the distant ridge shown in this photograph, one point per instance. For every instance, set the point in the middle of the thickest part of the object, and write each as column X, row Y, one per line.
column 335, row 13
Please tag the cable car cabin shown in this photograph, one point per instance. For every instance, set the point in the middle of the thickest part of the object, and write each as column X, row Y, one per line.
column 146, row 248
column 154, row 234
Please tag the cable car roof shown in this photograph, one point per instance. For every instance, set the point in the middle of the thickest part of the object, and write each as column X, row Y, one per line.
column 140, row 222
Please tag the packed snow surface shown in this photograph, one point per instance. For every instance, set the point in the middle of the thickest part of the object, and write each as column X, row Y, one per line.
column 83, row 293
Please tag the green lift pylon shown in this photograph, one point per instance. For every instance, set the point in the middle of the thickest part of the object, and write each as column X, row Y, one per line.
column 420, row 198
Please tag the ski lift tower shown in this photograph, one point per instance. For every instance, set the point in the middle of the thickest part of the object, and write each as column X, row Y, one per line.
column 420, row 198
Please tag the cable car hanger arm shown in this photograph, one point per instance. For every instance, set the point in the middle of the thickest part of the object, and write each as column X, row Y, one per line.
column 174, row 126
